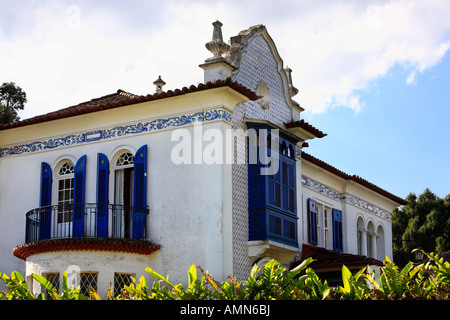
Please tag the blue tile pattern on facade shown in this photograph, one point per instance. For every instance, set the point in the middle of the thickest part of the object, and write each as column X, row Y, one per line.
column 119, row 131
column 331, row 193
column 257, row 65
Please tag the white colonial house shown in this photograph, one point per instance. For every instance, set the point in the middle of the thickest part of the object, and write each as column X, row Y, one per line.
column 212, row 174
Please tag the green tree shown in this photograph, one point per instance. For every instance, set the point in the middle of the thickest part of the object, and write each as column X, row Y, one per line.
column 12, row 99
column 424, row 222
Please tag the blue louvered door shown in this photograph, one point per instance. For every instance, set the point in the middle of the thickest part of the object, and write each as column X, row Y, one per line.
column 312, row 221
column 78, row 198
column 140, row 193
column 102, row 195
column 337, row 230
column 45, row 201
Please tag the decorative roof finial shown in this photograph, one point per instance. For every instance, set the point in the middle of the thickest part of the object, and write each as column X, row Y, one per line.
column 216, row 46
column 217, row 67
column 159, row 83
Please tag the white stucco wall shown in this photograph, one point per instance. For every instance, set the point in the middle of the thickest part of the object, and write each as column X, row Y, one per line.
column 105, row 264
column 355, row 201
column 190, row 204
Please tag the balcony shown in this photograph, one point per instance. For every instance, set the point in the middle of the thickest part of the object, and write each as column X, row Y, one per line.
column 86, row 226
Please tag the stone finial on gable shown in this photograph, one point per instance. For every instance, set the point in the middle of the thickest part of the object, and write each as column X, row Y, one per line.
column 216, row 46
column 217, row 67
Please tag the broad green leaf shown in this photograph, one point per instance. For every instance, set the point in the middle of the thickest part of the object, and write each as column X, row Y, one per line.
column 158, row 276
column 346, row 275
column 65, row 286
column 192, row 276
column 254, row 271
column 143, row 283
column 17, row 276
column 44, row 282
column 301, row 266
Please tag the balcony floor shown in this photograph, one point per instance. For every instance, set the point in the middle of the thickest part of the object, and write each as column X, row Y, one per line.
column 137, row 246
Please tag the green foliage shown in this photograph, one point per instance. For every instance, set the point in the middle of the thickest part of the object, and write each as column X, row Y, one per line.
column 430, row 281
column 12, row 99
column 424, row 222
column 17, row 288
column 68, row 292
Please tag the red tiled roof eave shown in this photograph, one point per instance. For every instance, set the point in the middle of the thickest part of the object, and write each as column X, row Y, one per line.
column 329, row 259
column 355, row 178
column 305, row 126
column 122, row 98
column 143, row 247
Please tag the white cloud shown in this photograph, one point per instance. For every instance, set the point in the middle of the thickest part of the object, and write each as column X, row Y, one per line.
column 62, row 54
column 345, row 47
column 412, row 77
column 69, row 54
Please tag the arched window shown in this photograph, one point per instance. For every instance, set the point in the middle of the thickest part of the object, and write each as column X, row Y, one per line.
column 123, row 190
column 371, row 240
column 123, row 179
column 361, row 237
column 381, row 253
column 283, row 147
column 125, row 159
column 65, row 183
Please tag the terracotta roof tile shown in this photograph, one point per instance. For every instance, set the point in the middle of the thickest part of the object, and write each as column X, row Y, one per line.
column 325, row 258
column 306, row 126
column 85, row 244
column 355, row 178
column 122, row 98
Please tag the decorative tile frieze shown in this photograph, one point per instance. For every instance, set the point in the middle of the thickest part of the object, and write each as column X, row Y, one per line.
column 367, row 206
column 331, row 193
column 116, row 132
column 321, row 188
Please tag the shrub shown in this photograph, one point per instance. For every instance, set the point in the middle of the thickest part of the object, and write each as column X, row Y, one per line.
column 430, row 281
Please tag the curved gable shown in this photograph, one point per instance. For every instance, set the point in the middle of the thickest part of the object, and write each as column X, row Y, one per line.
column 258, row 63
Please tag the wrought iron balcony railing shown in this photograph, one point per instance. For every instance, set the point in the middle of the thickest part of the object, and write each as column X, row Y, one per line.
column 86, row 220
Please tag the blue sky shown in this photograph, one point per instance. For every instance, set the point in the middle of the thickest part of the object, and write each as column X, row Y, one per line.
column 372, row 74
column 400, row 140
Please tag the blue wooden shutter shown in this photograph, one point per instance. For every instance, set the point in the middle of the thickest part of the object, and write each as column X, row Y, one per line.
column 140, row 193
column 312, row 216
column 292, row 188
column 274, row 188
column 288, row 183
column 78, row 197
column 284, row 185
column 45, row 201
column 337, row 230
column 102, row 195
